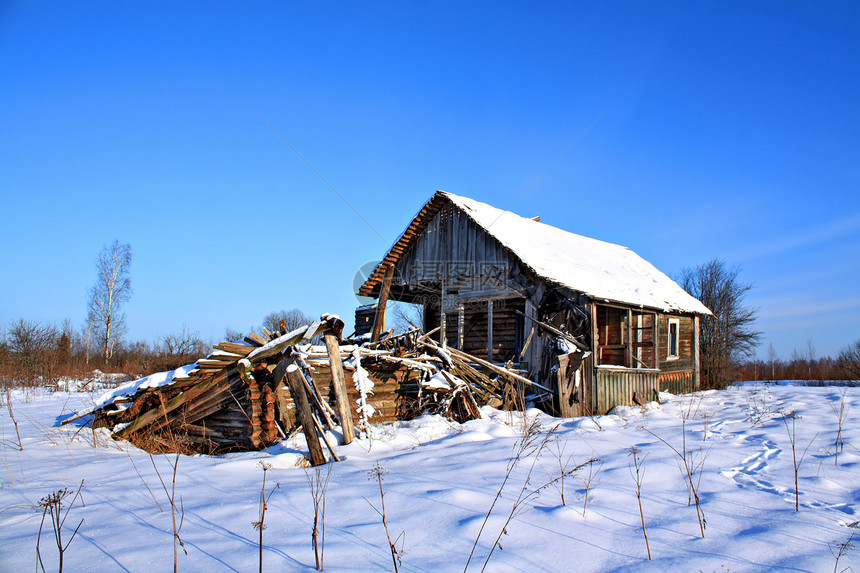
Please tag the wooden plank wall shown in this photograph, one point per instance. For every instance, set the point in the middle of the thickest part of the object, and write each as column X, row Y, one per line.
column 452, row 247
column 394, row 393
column 684, row 362
column 507, row 328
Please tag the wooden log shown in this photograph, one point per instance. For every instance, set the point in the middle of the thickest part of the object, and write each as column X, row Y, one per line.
column 215, row 364
column 234, row 347
column 254, row 339
column 490, row 330
column 291, row 338
column 286, row 414
column 497, row 369
column 328, row 445
column 312, row 330
column 339, row 386
column 304, row 414
column 379, row 321
column 153, row 414
column 316, row 401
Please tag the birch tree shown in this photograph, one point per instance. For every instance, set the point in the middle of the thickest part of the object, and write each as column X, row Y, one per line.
column 111, row 291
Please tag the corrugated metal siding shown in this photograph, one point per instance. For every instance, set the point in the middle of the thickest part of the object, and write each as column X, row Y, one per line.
column 677, row 382
column 617, row 386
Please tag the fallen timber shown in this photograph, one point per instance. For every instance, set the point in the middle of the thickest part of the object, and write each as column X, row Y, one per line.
column 250, row 394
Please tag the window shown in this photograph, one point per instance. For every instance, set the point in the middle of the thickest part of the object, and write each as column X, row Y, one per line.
column 672, row 343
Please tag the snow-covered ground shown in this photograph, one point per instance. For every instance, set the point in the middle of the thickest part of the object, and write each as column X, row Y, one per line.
column 441, row 482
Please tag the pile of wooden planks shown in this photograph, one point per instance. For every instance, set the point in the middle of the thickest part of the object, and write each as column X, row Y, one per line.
column 250, row 394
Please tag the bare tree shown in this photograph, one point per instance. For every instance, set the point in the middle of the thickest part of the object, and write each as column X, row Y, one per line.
column 32, row 346
column 111, row 291
column 405, row 316
column 292, row 318
column 727, row 335
column 810, row 358
column 848, row 360
column 232, row 335
column 184, row 344
column 771, row 357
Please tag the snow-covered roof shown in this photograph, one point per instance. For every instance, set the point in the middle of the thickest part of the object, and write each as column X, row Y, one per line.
column 600, row 270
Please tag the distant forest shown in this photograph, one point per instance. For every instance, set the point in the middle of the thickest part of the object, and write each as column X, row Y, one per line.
column 35, row 352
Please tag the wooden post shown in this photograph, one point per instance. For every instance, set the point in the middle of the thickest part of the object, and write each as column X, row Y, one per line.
column 531, row 350
column 379, row 321
column 696, row 380
column 338, row 382
column 490, row 330
column 304, row 415
column 629, row 339
column 461, row 325
column 279, row 375
column 595, row 360
column 443, row 337
column 654, row 333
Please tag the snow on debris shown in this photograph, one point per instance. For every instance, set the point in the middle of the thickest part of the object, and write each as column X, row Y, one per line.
column 152, row 381
column 599, row 269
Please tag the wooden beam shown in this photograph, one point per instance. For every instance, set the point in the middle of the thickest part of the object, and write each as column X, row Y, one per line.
column 461, row 320
column 277, row 345
column 155, row 413
column 304, row 414
column 316, row 401
column 338, row 382
column 255, row 339
column 654, row 322
column 696, row 370
column 379, row 321
column 591, row 365
column 443, row 335
column 234, row 348
column 527, row 343
column 629, row 351
column 281, row 384
column 490, row 330
column 328, row 445
column 490, row 366
column 555, row 331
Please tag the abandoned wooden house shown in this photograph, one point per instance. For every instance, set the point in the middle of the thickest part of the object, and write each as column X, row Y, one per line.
column 591, row 320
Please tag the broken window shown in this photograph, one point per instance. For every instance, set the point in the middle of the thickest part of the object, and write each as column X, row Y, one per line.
column 625, row 337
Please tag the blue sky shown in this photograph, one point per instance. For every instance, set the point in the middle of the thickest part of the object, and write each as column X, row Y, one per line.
column 727, row 130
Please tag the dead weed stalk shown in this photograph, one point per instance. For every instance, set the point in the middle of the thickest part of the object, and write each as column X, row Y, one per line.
column 260, row 524
column 171, row 498
column 637, row 472
column 378, row 473
column 52, row 508
column 318, row 485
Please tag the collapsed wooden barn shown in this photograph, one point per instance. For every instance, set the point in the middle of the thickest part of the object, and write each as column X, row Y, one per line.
column 250, row 394
column 591, row 320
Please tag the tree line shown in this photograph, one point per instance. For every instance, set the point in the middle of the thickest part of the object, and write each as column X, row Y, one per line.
column 36, row 352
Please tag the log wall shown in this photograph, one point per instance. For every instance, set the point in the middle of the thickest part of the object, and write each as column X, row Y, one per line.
column 684, row 362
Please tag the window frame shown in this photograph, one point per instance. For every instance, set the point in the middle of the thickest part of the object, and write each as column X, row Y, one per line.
column 676, row 322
